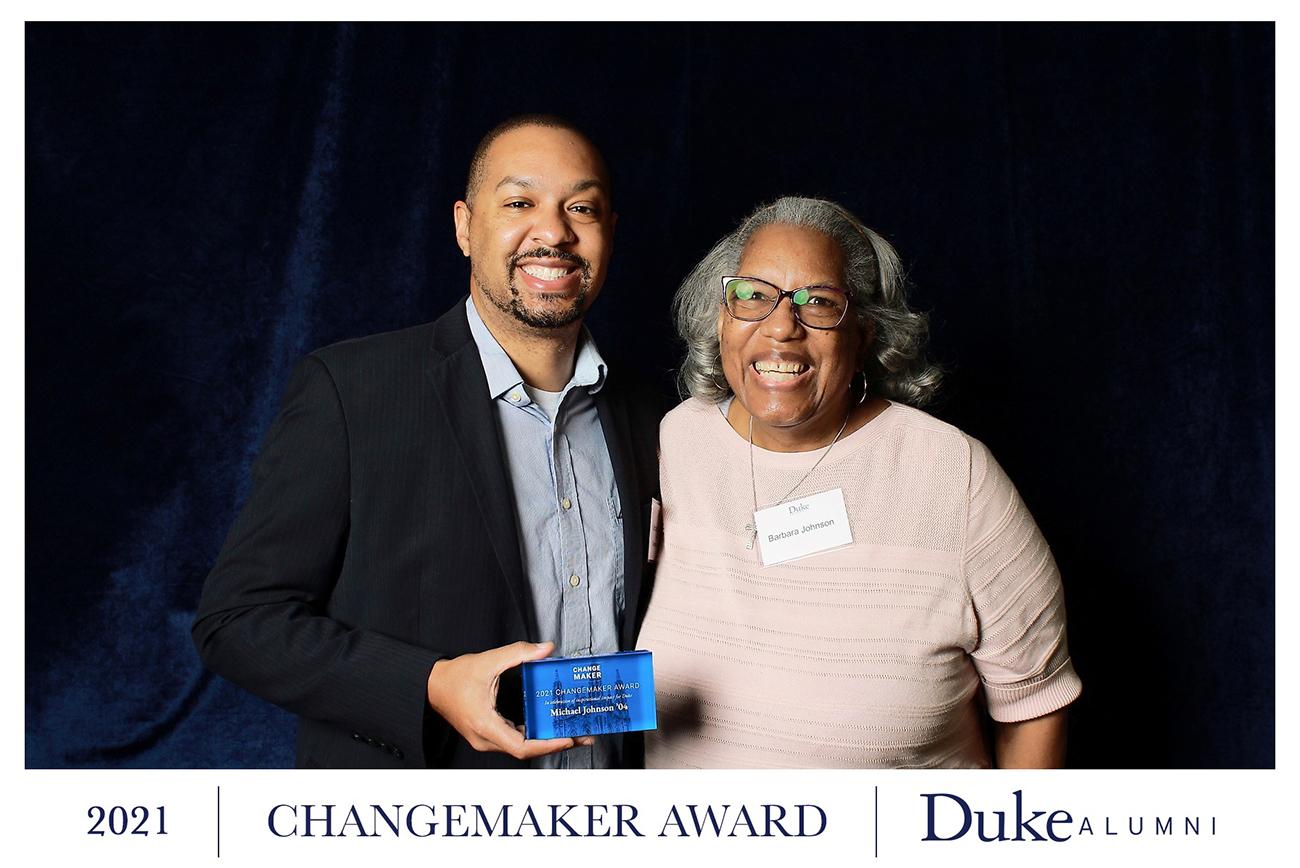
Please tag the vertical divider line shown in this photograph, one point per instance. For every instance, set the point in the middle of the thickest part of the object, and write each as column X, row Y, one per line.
column 875, row 823
column 218, row 821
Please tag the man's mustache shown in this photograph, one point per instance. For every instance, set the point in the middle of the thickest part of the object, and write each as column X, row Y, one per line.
column 549, row 253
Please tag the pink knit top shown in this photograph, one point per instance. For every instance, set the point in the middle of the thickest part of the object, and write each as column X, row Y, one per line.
column 879, row 654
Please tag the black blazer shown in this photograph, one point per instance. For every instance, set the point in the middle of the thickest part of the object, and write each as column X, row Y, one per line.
column 380, row 537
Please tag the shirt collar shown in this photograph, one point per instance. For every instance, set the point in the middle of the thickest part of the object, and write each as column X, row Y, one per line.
column 502, row 375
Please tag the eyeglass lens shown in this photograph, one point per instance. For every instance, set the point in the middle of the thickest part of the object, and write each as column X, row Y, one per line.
column 816, row 306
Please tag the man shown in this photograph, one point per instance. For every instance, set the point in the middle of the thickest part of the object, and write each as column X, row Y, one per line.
column 434, row 506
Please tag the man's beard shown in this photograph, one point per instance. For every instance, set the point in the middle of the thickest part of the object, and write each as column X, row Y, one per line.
column 513, row 304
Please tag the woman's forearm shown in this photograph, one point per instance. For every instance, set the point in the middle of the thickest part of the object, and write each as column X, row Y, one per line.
column 1031, row 744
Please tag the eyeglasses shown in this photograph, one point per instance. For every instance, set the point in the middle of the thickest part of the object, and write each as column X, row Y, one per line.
column 751, row 300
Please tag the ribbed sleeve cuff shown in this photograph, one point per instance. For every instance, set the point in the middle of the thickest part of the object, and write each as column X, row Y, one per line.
column 1011, row 703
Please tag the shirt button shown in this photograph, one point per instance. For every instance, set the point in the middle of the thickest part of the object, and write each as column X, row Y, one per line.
column 574, row 581
column 566, row 503
column 514, row 396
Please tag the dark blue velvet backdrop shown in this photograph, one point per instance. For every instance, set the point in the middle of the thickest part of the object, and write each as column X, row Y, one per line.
column 1087, row 210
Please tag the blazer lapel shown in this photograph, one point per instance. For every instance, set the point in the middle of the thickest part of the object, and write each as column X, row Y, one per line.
column 614, row 424
column 457, row 375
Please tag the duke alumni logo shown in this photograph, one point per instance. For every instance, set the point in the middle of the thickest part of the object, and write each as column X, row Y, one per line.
column 949, row 817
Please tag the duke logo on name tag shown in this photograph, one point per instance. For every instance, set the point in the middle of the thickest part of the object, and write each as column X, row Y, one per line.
column 803, row 526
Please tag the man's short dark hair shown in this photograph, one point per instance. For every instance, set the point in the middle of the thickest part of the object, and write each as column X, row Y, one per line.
column 538, row 119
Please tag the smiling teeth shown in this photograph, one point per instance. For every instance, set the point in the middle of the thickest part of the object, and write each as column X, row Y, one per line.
column 545, row 273
column 780, row 367
column 779, row 372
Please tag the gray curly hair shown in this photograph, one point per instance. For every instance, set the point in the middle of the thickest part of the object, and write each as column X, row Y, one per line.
column 896, row 366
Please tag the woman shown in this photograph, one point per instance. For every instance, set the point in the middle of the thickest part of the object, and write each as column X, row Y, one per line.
column 844, row 580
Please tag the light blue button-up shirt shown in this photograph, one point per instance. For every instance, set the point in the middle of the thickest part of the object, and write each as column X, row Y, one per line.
column 566, row 508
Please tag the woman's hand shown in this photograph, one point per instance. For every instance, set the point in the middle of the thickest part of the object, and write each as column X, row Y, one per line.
column 1031, row 744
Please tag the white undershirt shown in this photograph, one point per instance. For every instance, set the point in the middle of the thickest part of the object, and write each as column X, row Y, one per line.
column 548, row 401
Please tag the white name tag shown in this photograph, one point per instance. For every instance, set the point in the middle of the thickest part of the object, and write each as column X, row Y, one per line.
column 802, row 527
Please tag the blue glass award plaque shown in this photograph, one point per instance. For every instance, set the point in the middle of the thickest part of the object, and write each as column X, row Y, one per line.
column 571, row 696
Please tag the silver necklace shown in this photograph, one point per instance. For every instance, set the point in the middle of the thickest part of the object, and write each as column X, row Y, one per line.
column 750, row 528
